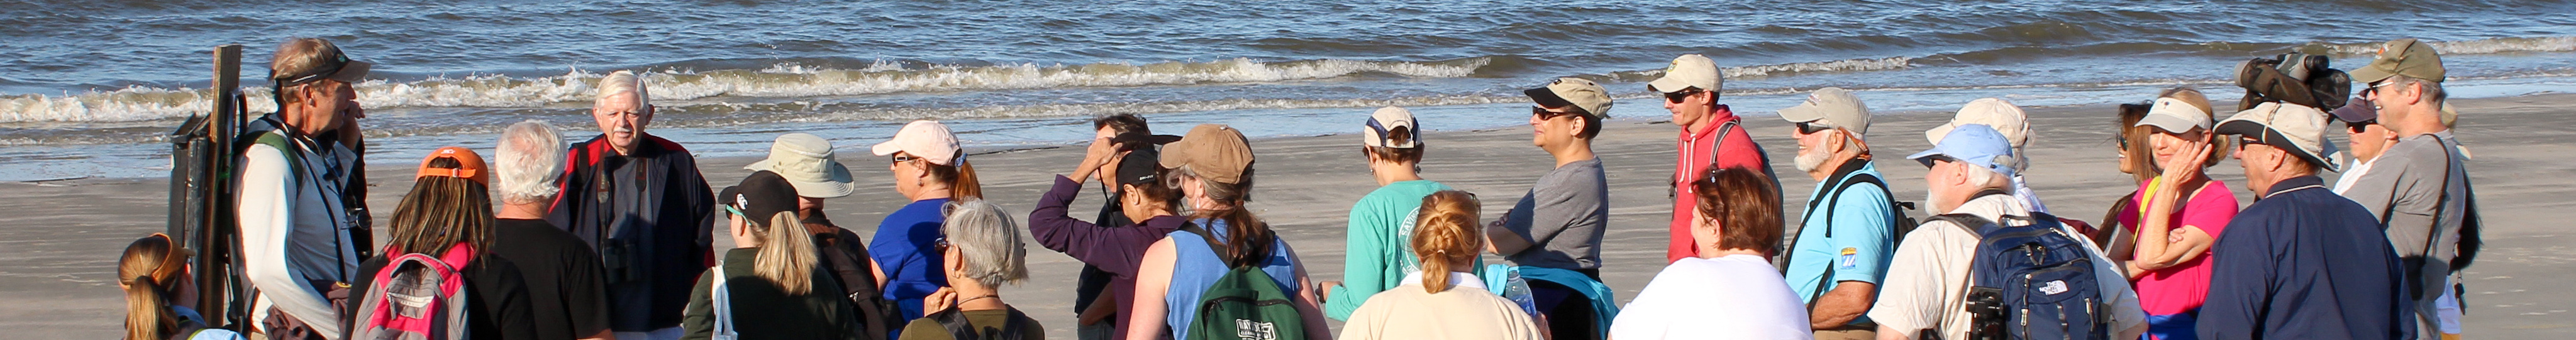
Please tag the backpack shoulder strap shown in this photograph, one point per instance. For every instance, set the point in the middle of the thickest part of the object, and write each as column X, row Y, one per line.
column 2469, row 221
column 1213, row 245
column 1973, row 224
column 722, row 302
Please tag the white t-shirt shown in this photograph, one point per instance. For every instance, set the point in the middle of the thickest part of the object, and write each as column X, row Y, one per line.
column 1731, row 297
column 1926, row 281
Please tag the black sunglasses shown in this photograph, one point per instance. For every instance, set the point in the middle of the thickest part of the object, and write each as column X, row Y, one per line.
column 1544, row 114
column 1809, row 128
column 1678, row 96
column 2357, row 127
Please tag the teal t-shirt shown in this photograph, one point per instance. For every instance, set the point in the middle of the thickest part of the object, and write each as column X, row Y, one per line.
column 1380, row 245
column 1862, row 240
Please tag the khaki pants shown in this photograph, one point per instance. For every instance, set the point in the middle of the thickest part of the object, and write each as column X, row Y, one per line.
column 1847, row 332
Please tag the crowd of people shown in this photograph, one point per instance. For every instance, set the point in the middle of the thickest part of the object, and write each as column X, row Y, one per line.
column 613, row 237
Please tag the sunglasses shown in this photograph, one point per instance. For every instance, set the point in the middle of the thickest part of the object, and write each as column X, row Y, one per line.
column 1678, row 96
column 1544, row 114
column 2357, row 127
column 941, row 244
column 2373, row 90
column 1809, row 128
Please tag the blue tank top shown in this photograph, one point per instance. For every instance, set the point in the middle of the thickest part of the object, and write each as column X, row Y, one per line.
column 1195, row 268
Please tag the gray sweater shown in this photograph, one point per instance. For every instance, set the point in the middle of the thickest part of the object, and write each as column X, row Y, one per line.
column 2418, row 190
column 1563, row 217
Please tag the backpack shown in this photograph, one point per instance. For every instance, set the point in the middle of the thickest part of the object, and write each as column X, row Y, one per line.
column 955, row 321
column 416, row 297
column 1901, row 224
column 846, row 259
column 2032, row 281
column 1245, row 304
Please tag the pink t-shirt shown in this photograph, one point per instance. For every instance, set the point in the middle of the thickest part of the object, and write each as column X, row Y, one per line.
column 2182, row 288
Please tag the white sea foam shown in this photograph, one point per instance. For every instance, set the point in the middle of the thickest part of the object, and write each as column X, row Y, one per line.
column 781, row 80
column 1846, row 65
column 2480, row 46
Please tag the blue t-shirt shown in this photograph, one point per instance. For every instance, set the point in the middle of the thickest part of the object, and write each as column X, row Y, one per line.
column 1195, row 267
column 1862, row 237
column 903, row 249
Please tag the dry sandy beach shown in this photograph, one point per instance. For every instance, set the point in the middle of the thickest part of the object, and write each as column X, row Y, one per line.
column 57, row 253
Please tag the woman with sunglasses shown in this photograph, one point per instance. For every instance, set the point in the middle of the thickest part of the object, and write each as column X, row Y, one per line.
column 2367, row 139
column 931, row 170
column 2180, row 214
column 770, row 286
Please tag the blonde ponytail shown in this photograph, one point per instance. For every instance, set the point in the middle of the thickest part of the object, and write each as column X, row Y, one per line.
column 146, row 270
column 786, row 255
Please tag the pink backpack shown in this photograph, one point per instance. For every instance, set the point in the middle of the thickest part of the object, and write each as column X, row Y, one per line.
column 417, row 297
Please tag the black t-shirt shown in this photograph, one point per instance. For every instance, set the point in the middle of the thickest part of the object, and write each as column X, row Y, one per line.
column 567, row 297
column 499, row 294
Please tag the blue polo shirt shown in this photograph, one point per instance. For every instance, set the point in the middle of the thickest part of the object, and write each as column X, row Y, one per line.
column 1854, row 242
column 2303, row 263
column 903, row 249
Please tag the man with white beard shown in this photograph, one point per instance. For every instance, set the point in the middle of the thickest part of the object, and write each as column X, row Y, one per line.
column 1848, row 230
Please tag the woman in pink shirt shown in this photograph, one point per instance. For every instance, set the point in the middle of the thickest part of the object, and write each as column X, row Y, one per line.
column 2180, row 215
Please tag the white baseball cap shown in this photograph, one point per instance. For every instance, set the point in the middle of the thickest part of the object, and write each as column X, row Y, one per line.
column 1992, row 112
column 1688, row 71
column 926, row 139
column 1386, row 120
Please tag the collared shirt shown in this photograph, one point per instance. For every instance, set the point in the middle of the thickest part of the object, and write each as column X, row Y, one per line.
column 1738, row 150
column 2302, row 263
column 1925, row 286
column 1854, row 242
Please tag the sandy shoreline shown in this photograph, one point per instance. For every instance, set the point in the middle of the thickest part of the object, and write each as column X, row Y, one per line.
column 57, row 256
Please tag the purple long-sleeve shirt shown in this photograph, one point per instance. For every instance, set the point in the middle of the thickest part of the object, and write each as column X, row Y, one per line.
column 1116, row 250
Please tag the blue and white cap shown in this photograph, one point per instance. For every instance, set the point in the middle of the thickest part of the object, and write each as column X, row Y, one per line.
column 1976, row 144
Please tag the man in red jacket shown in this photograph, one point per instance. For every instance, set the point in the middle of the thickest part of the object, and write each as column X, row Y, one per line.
column 1710, row 136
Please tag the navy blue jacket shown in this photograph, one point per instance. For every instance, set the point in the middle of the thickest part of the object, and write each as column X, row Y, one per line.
column 2304, row 263
column 669, row 216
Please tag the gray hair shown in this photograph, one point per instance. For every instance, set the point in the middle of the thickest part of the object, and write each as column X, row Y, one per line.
column 1985, row 178
column 2432, row 89
column 623, row 81
column 989, row 240
column 530, row 158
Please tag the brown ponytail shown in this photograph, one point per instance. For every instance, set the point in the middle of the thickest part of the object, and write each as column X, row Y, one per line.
column 960, row 178
column 146, row 270
column 1445, row 236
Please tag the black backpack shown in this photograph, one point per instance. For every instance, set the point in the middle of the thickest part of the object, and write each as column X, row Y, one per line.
column 1901, row 223
column 954, row 320
column 845, row 256
column 2032, row 281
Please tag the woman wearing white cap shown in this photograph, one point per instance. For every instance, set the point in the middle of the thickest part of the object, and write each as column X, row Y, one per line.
column 2180, row 214
column 930, row 169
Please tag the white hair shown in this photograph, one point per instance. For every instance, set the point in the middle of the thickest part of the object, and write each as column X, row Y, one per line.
column 530, row 158
column 1985, row 178
column 623, row 81
column 989, row 240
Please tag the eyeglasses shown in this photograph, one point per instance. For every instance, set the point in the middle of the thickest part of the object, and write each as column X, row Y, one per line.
column 900, row 158
column 1677, row 97
column 2357, row 127
column 941, row 244
column 2373, row 91
column 1809, row 128
column 1544, row 114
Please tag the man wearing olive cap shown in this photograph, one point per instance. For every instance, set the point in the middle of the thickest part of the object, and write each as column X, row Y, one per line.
column 2418, row 188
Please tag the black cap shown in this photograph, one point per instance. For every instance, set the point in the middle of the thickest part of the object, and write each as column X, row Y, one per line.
column 2357, row 111
column 760, row 197
column 1141, row 167
column 1138, row 140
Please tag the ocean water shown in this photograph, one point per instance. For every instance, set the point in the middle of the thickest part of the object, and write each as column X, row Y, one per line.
column 90, row 87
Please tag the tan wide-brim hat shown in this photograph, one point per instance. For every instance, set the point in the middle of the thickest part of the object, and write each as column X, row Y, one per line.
column 807, row 162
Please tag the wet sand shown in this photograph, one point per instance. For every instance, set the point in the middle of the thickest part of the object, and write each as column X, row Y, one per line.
column 57, row 255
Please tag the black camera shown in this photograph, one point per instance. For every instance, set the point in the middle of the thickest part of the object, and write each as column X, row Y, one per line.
column 2293, row 78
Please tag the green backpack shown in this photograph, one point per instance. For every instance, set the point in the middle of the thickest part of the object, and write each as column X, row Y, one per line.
column 1245, row 304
